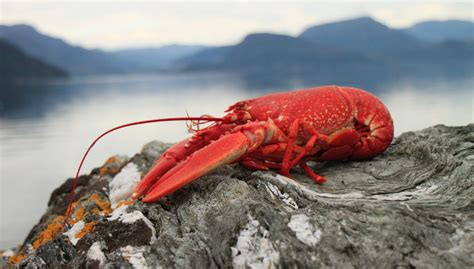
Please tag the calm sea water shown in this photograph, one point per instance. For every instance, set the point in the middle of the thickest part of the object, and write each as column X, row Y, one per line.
column 45, row 128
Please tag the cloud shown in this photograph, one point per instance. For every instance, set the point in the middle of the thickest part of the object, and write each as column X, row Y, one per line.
column 406, row 15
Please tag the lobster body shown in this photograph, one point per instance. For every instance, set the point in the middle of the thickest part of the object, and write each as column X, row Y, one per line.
column 277, row 131
column 326, row 110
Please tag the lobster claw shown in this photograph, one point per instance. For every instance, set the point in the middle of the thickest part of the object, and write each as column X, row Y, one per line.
column 227, row 149
column 177, row 153
column 167, row 161
column 224, row 151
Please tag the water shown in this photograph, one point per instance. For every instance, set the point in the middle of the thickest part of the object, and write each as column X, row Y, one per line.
column 45, row 128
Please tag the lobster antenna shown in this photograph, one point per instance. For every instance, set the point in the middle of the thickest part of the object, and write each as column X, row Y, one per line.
column 71, row 200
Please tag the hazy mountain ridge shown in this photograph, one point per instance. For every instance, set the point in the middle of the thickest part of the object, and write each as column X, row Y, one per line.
column 73, row 59
column 363, row 35
column 454, row 50
column 342, row 48
column 207, row 58
column 439, row 31
column 16, row 65
column 156, row 58
column 331, row 48
column 287, row 49
column 274, row 51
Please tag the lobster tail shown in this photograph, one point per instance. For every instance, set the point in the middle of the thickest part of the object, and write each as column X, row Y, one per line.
column 373, row 122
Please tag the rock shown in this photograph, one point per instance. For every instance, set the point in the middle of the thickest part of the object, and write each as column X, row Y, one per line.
column 410, row 207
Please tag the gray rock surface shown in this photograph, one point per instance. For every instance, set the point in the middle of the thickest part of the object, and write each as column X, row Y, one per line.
column 411, row 207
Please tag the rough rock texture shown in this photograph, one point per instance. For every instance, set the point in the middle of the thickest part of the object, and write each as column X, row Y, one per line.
column 412, row 207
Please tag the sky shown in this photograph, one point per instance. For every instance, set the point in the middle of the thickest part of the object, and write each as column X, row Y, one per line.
column 118, row 24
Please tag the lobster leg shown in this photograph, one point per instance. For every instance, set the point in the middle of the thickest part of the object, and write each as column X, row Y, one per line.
column 259, row 164
column 309, row 146
column 285, row 167
column 254, row 164
column 177, row 153
column 315, row 177
column 227, row 149
column 341, row 145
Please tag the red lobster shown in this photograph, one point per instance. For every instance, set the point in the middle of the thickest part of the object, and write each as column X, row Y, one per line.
column 276, row 131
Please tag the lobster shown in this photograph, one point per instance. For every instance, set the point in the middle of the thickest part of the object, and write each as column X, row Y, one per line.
column 276, row 131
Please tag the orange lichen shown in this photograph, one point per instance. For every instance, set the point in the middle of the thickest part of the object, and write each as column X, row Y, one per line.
column 111, row 166
column 16, row 259
column 124, row 202
column 88, row 227
column 56, row 225
column 104, row 206
column 50, row 232
column 80, row 213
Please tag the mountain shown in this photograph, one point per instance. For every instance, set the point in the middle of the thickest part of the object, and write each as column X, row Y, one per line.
column 438, row 31
column 264, row 50
column 352, row 46
column 268, row 60
column 351, row 53
column 207, row 58
column 452, row 58
column 451, row 50
column 150, row 59
column 273, row 49
column 363, row 35
column 73, row 59
column 16, row 65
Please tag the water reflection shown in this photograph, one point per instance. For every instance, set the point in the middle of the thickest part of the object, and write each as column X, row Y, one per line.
column 45, row 128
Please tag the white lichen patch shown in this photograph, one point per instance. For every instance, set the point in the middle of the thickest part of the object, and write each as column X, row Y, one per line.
column 254, row 248
column 117, row 212
column 75, row 229
column 8, row 253
column 132, row 217
column 95, row 253
column 134, row 255
column 285, row 197
column 123, row 184
column 304, row 230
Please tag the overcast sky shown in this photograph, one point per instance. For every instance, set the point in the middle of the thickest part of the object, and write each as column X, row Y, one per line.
column 118, row 24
